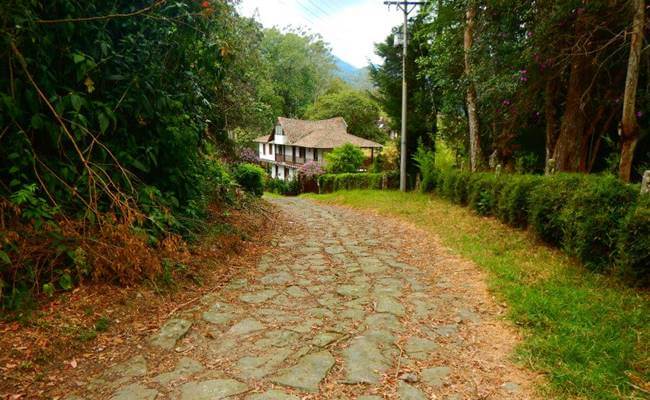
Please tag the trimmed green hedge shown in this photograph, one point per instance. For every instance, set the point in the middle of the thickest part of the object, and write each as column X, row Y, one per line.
column 598, row 219
column 332, row 182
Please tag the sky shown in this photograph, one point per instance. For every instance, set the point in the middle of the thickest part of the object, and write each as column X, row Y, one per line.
column 351, row 27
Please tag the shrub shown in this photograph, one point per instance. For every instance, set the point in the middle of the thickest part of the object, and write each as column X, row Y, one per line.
column 513, row 203
column 332, row 182
column 634, row 242
column 592, row 218
column 345, row 159
column 481, row 193
column 546, row 203
column 275, row 185
column 448, row 183
column 293, row 188
column 250, row 177
column 461, row 187
column 426, row 163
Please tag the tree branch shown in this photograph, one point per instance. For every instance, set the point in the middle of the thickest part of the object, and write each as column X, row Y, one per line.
column 101, row 17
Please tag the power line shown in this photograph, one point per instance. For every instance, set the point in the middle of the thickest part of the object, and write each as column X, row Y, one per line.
column 304, row 17
column 308, row 10
column 318, row 8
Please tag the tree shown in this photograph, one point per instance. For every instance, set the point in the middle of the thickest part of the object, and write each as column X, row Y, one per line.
column 629, row 124
column 345, row 159
column 361, row 112
column 387, row 77
column 475, row 153
column 300, row 67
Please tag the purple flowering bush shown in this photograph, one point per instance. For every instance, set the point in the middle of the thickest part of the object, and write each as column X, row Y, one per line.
column 249, row 156
column 310, row 170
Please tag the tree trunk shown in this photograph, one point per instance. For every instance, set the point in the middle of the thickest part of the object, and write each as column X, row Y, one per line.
column 550, row 95
column 629, row 124
column 567, row 152
column 475, row 155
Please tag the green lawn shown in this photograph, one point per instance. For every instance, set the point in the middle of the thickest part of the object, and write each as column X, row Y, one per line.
column 587, row 333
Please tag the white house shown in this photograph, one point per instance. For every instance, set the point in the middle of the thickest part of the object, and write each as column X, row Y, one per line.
column 294, row 142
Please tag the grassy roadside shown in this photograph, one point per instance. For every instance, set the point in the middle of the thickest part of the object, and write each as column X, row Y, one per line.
column 587, row 333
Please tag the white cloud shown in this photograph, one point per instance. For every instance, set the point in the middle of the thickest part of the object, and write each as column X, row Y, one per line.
column 350, row 27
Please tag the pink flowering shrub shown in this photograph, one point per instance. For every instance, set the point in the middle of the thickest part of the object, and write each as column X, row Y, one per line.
column 310, row 170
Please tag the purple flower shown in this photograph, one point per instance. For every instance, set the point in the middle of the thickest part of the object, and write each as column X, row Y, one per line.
column 506, row 102
column 639, row 114
column 310, row 169
column 249, row 155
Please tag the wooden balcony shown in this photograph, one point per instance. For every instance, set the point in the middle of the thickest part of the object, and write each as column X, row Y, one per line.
column 289, row 159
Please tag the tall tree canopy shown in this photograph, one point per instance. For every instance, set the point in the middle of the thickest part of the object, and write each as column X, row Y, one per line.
column 301, row 67
column 359, row 110
column 549, row 78
column 387, row 77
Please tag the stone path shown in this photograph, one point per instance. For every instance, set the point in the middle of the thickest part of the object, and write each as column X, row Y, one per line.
column 344, row 305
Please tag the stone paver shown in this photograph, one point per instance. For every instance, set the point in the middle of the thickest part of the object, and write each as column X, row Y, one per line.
column 308, row 373
column 332, row 308
column 173, row 330
column 212, row 389
column 435, row 376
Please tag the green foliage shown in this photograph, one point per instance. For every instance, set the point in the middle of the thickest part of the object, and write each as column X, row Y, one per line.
column 328, row 183
column 594, row 218
column 426, row 163
column 118, row 116
column 547, row 200
column 387, row 77
column 250, row 177
column 278, row 186
column 513, row 201
column 300, row 67
column 482, row 193
column 634, row 242
column 345, row 159
column 360, row 112
column 591, row 219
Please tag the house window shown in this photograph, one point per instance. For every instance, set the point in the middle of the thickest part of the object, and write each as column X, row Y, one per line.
column 264, row 148
column 301, row 152
column 270, row 149
column 315, row 154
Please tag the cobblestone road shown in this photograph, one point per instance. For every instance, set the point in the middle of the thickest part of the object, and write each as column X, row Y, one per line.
column 344, row 305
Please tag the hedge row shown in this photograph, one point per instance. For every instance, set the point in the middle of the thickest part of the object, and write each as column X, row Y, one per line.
column 332, row 182
column 598, row 219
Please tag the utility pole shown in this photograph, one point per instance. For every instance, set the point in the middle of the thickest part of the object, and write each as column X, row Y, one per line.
column 406, row 7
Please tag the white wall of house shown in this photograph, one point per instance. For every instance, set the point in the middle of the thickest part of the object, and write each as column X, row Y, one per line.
column 269, row 156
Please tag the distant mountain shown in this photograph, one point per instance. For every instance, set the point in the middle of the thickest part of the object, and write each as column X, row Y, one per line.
column 357, row 77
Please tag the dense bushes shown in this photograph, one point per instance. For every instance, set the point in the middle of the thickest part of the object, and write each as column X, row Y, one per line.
column 250, row 177
column 345, row 159
column 594, row 218
column 332, row 182
column 634, row 242
column 280, row 186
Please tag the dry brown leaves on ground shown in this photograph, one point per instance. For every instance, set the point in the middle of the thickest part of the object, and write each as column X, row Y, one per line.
column 52, row 346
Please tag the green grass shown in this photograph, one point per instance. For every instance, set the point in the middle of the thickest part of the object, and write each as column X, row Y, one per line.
column 587, row 333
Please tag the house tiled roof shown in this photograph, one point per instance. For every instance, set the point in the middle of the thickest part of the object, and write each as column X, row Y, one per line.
column 326, row 139
column 323, row 134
